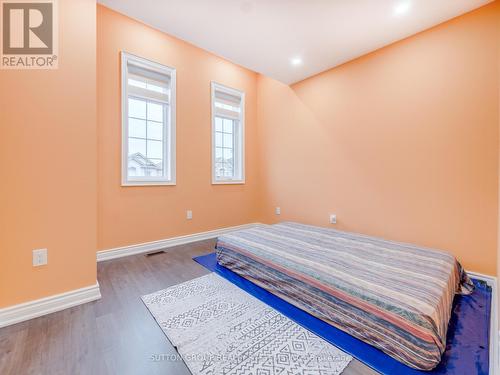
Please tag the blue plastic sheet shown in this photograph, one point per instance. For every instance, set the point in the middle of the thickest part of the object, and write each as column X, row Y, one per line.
column 467, row 347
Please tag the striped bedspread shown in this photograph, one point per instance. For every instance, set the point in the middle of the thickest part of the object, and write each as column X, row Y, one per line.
column 394, row 296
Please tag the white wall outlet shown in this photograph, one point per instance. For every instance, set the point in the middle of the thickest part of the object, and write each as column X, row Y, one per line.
column 277, row 211
column 189, row 214
column 39, row 257
column 333, row 219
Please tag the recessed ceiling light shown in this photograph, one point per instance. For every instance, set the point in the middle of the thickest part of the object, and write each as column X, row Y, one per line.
column 296, row 61
column 402, row 8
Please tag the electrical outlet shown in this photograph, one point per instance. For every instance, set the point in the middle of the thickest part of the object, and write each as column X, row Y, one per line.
column 278, row 210
column 189, row 214
column 333, row 219
column 39, row 257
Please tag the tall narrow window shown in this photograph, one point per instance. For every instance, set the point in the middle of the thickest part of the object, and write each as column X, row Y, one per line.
column 148, row 121
column 228, row 130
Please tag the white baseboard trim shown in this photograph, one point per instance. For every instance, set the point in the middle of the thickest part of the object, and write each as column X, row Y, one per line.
column 494, row 332
column 34, row 309
column 147, row 247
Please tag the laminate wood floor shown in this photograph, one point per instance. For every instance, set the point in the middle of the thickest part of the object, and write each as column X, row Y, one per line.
column 115, row 335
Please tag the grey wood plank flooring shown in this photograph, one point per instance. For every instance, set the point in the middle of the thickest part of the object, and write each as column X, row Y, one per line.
column 115, row 335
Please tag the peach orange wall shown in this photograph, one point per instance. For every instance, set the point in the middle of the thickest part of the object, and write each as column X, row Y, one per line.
column 48, row 152
column 498, row 231
column 131, row 215
column 401, row 143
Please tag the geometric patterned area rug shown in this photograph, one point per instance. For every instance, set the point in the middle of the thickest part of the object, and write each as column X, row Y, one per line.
column 218, row 328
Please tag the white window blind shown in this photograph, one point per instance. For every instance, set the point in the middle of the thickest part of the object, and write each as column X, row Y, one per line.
column 227, row 105
column 148, row 84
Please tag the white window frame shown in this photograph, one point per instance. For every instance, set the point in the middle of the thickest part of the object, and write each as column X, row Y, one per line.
column 239, row 137
column 169, row 140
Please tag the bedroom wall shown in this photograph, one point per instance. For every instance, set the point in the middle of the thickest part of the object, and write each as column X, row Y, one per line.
column 498, row 231
column 131, row 215
column 401, row 143
column 48, row 150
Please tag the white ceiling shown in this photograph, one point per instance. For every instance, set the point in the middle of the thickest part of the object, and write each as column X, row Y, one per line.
column 267, row 35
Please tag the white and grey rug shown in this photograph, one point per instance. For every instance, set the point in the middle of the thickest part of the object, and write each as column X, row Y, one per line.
column 218, row 329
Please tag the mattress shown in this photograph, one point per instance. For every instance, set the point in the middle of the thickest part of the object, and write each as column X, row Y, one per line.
column 394, row 296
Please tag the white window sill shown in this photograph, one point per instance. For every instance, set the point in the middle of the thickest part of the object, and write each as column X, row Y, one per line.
column 228, row 182
column 148, row 183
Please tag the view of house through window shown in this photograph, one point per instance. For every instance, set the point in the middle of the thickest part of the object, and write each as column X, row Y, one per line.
column 227, row 125
column 145, row 137
column 148, row 143
column 224, row 147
